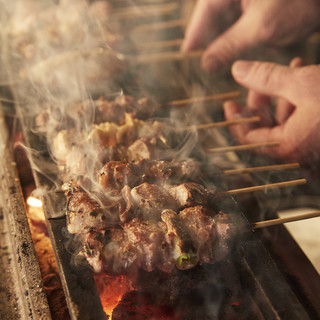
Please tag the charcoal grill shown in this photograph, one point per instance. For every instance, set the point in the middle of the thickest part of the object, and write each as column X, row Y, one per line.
column 273, row 277
column 276, row 279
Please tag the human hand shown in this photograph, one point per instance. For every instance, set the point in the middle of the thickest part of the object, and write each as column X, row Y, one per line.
column 262, row 22
column 296, row 122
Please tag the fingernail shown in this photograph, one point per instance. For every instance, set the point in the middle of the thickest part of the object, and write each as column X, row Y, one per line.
column 240, row 69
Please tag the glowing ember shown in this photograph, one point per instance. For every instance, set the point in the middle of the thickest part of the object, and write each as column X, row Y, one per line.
column 111, row 290
column 34, row 202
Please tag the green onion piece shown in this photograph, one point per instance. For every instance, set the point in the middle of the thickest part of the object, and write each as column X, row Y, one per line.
column 187, row 261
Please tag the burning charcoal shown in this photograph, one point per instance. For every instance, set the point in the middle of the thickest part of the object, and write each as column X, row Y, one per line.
column 191, row 194
column 140, row 306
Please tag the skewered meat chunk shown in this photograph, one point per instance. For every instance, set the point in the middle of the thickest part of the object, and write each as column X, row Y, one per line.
column 191, row 194
column 177, row 237
column 117, row 174
column 84, row 213
column 150, row 200
column 178, row 240
column 207, row 233
column 109, row 133
column 144, row 148
column 140, row 244
column 145, row 201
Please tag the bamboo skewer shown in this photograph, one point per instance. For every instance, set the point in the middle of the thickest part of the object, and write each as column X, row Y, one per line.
column 221, row 123
column 163, row 56
column 159, row 44
column 262, row 168
column 244, row 147
column 7, row 100
column 274, row 222
column 161, row 25
column 263, row 187
column 214, row 97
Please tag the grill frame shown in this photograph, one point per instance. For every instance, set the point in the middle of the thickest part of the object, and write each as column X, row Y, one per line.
column 22, row 291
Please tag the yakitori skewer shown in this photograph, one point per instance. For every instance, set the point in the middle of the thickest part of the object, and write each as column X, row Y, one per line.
column 263, row 187
column 214, row 97
column 274, row 167
column 274, row 222
column 161, row 25
column 244, row 147
column 222, row 123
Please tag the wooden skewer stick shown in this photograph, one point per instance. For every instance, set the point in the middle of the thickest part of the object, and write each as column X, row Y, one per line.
column 159, row 44
column 244, row 147
column 145, row 10
column 168, row 24
column 164, row 56
column 222, row 123
column 264, row 187
column 262, row 168
column 274, row 222
column 7, row 100
column 214, row 97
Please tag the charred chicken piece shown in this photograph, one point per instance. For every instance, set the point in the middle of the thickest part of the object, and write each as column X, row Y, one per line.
column 170, row 172
column 208, row 234
column 179, row 240
column 139, row 245
column 117, row 174
column 191, row 194
column 144, row 148
column 85, row 214
column 146, row 201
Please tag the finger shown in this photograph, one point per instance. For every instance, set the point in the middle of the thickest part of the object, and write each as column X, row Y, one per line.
column 284, row 108
column 259, row 105
column 201, row 27
column 240, row 37
column 245, row 134
column 267, row 78
column 233, row 110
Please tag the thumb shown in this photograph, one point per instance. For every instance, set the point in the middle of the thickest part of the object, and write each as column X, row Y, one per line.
column 266, row 78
